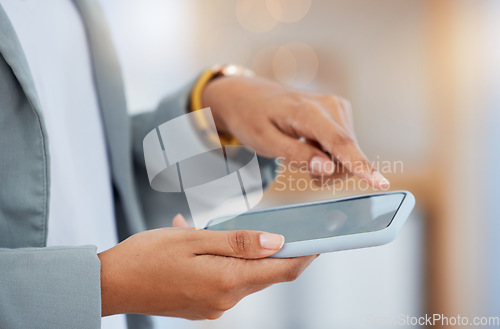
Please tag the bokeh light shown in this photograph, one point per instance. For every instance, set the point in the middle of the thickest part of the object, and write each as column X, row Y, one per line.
column 284, row 65
column 295, row 64
column 288, row 11
column 254, row 16
column 262, row 62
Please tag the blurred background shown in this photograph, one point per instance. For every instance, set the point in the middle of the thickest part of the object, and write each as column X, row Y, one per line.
column 423, row 77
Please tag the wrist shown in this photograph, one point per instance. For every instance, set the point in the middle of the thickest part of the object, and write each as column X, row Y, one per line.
column 212, row 90
column 111, row 298
column 214, row 95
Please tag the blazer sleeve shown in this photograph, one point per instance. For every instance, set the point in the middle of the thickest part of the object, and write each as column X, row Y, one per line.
column 159, row 208
column 46, row 288
column 52, row 288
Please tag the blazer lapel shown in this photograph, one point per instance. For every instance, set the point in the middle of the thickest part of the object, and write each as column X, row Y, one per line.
column 26, row 174
column 13, row 53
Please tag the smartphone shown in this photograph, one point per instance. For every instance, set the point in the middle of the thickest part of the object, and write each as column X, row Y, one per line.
column 327, row 226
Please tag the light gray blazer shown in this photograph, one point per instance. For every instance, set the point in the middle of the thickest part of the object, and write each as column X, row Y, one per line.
column 59, row 287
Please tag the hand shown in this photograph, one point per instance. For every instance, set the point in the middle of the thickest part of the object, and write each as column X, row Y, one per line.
column 194, row 274
column 272, row 119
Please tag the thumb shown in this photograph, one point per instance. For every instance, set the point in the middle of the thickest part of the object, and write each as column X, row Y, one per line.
column 239, row 244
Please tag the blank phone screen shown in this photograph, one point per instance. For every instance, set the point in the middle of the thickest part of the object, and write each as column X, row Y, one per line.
column 316, row 221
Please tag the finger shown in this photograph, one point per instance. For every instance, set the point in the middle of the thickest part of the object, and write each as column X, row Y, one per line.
column 274, row 270
column 341, row 174
column 346, row 107
column 255, row 284
column 239, row 244
column 354, row 160
column 334, row 179
column 179, row 221
column 340, row 109
column 337, row 141
column 296, row 152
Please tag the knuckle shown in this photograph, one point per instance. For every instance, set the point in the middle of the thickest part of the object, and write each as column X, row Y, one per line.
column 292, row 274
column 330, row 99
column 227, row 283
column 342, row 139
column 308, row 106
column 194, row 294
column 300, row 103
column 338, row 102
column 346, row 104
column 191, row 236
column 213, row 315
column 260, row 128
column 240, row 242
column 224, row 304
column 294, row 96
column 289, row 151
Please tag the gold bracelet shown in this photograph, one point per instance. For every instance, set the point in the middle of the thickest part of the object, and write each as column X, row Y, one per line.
column 197, row 92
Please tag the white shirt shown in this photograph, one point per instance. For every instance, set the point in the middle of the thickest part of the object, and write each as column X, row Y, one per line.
column 81, row 206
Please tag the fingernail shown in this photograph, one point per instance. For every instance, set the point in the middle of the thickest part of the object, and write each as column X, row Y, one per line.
column 321, row 166
column 271, row 241
column 381, row 180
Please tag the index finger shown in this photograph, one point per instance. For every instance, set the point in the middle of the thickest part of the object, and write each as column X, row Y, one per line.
column 336, row 140
column 354, row 160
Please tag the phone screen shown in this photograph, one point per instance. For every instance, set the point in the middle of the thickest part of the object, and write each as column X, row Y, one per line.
column 316, row 221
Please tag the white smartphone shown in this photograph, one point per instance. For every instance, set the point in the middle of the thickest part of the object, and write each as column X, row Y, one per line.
column 326, row 226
